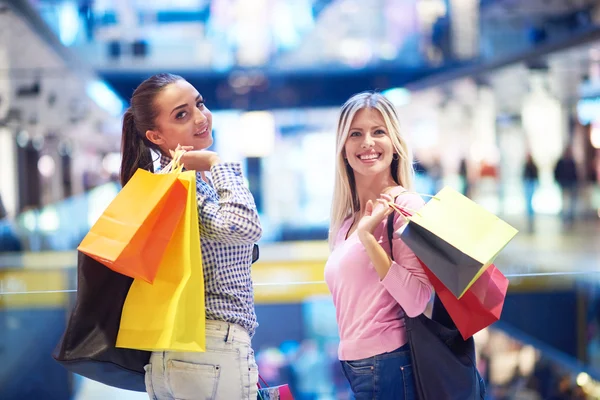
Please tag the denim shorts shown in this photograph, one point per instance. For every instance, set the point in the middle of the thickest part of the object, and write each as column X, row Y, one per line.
column 387, row 376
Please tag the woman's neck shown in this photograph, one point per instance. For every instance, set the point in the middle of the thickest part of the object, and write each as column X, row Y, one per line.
column 371, row 188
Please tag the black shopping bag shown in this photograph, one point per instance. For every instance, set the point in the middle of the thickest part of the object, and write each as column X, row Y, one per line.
column 87, row 347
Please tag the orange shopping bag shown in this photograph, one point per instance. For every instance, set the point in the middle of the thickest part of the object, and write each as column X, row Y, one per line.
column 132, row 234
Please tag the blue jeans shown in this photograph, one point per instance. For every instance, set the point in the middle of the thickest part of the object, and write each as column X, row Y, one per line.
column 387, row 376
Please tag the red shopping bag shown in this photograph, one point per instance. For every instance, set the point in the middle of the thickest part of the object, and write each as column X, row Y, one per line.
column 281, row 392
column 480, row 306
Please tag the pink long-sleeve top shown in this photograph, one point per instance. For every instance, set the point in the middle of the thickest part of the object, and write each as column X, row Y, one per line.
column 369, row 310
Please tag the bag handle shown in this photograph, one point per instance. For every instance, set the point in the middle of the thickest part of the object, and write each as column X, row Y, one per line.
column 260, row 378
column 404, row 212
column 175, row 164
column 407, row 212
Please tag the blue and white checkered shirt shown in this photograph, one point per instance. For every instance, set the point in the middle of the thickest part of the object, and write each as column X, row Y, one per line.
column 229, row 228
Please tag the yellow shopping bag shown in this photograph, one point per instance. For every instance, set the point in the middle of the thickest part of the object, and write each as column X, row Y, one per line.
column 169, row 314
column 132, row 234
column 456, row 238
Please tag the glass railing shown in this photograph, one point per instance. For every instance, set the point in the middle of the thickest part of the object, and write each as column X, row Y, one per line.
column 548, row 338
column 297, row 339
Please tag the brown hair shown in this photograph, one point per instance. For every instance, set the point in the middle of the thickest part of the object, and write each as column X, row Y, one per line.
column 139, row 118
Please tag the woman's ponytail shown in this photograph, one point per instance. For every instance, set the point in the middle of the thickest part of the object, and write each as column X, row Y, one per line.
column 134, row 151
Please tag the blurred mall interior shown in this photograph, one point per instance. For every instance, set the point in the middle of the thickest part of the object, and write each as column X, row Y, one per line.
column 484, row 88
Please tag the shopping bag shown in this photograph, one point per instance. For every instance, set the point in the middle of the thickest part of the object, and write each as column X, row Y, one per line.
column 132, row 234
column 281, row 392
column 169, row 314
column 87, row 347
column 480, row 306
column 442, row 361
column 456, row 238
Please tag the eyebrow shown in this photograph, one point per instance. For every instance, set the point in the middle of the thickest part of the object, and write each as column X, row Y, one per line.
column 179, row 107
column 360, row 129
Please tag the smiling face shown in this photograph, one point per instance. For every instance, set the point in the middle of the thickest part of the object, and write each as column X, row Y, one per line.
column 182, row 118
column 369, row 149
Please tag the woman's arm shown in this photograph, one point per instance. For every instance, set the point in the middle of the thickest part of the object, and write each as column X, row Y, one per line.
column 234, row 218
column 404, row 277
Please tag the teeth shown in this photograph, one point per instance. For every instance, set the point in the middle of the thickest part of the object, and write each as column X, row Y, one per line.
column 369, row 156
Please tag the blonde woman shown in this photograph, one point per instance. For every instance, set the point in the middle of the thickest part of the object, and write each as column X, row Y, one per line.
column 373, row 291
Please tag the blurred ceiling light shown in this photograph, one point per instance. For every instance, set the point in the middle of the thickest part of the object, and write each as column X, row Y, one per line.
column 68, row 23
column 48, row 220
column 399, row 96
column 38, row 142
column 355, row 52
column 29, row 220
column 105, row 97
column 430, row 10
column 588, row 109
column 583, row 379
column 46, row 166
column 465, row 28
column 22, row 138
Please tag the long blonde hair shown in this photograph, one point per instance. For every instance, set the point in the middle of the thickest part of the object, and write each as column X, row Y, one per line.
column 345, row 197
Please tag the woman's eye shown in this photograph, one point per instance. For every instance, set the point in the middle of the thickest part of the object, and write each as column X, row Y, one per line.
column 200, row 104
column 355, row 134
column 380, row 132
column 181, row 114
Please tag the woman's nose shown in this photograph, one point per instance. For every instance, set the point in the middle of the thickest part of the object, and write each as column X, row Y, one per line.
column 367, row 142
column 199, row 118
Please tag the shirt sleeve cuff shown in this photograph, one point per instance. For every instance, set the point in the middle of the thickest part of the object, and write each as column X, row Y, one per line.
column 395, row 277
column 226, row 173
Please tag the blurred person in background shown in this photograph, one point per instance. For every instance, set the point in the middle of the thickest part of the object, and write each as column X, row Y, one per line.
column 436, row 172
column 3, row 213
column 372, row 293
column 530, row 182
column 565, row 174
column 9, row 242
column 168, row 114
column 463, row 172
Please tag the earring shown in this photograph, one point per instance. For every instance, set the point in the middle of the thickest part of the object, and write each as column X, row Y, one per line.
column 396, row 157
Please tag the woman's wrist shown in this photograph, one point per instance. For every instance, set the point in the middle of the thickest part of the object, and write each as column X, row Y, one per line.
column 215, row 160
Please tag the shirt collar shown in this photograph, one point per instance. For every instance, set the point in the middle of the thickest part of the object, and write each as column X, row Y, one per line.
column 164, row 161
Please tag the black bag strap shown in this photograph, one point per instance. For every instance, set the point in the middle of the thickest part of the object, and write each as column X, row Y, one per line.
column 255, row 253
column 390, row 234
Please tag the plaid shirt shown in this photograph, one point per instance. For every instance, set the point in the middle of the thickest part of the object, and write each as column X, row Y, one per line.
column 229, row 227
